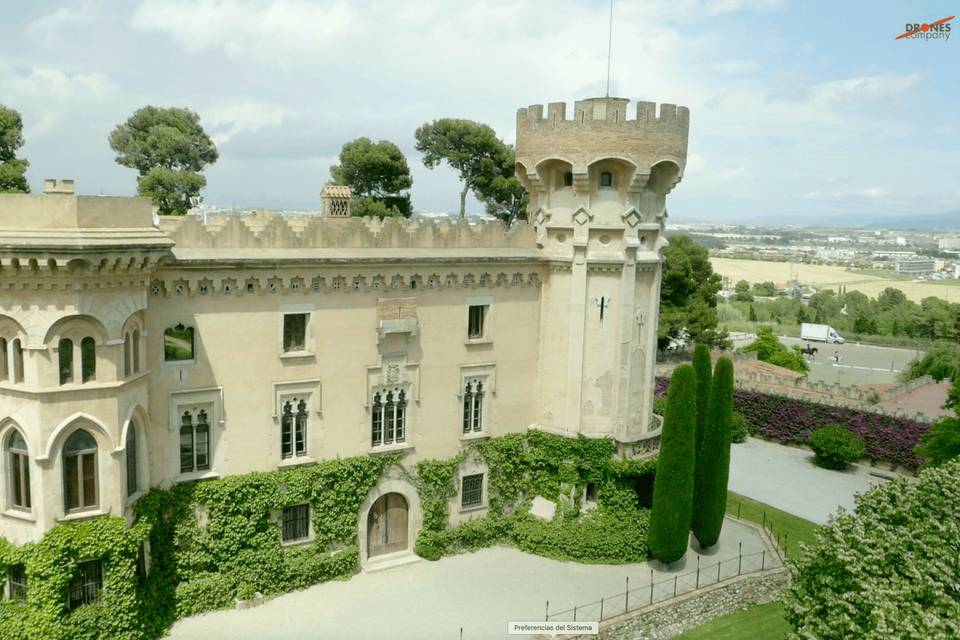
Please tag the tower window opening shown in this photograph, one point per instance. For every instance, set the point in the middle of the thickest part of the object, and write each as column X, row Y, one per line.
column 606, row 179
column 568, row 179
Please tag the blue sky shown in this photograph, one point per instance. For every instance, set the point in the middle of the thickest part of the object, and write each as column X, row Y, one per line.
column 800, row 110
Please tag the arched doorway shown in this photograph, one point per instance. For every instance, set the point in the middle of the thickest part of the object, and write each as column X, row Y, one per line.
column 387, row 525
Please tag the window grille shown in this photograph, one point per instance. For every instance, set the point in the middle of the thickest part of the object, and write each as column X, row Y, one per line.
column 17, row 582
column 296, row 523
column 471, row 492
column 86, row 585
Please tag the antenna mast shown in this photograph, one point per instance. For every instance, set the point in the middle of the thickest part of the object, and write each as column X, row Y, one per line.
column 609, row 47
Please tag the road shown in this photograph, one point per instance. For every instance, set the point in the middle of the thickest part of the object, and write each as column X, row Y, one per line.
column 859, row 364
column 786, row 478
column 479, row 592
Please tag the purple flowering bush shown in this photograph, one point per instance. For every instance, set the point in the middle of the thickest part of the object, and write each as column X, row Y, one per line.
column 791, row 421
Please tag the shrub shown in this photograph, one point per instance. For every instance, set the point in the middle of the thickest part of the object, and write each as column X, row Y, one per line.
column 888, row 570
column 713, row 459
column 769, row 349
column 673, row 486
column 602, row 536
column 835, row 447
column 739, row 427
column 941, row 443
column 660, row 405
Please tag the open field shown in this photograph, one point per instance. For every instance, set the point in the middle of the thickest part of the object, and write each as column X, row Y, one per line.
column 830, row 276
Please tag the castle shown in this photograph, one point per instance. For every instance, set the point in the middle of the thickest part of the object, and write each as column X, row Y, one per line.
column 135, row 355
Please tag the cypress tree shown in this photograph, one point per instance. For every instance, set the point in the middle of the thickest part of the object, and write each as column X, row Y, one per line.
column 673, row 484
column 704, row 368
column 713, row 459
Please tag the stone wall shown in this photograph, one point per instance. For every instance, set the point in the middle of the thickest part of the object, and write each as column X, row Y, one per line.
column 671, row 618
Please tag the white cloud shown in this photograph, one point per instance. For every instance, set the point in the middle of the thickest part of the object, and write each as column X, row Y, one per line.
column 228, row 120
column 862, row 88
column 72, row 18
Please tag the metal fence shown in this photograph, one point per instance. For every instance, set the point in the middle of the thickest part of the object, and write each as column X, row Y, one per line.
column 634, row 598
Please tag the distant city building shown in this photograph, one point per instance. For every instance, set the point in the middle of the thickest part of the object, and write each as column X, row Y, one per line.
column 916, row 266
column 948, row 244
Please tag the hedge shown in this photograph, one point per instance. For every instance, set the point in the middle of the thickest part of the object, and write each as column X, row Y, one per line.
column 673, row 486
column 790, row 421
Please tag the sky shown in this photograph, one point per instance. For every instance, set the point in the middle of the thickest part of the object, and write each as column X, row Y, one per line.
column 800, row 109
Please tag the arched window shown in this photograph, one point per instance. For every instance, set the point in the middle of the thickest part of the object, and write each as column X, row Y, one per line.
column 19, row 459
column 4, row 369
column 136, row 351
column 65, row 353
column 131, row 454
column 80, row 471
column 473, row 406
column 606, row 179
column 568, row 179
column 127, row 355
column 293, row 429
column 17, row 361
column 194, row 442
column 88, row 359
column 300, row 439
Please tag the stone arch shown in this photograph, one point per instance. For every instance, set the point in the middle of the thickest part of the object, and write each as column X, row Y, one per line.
column 664, row 176
column 7, row 426
column 74, row 324
column 393, row 480
column 79, row 420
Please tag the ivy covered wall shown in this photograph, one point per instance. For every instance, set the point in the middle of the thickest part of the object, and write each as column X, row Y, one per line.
column 213, row 541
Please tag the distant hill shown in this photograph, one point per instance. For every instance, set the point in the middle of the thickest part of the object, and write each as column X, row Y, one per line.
column 949, row 221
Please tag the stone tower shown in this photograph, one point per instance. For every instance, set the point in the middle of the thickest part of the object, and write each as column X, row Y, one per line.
column 598, row 184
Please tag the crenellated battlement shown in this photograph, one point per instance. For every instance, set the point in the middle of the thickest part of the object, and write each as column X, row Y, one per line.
column 605, row 112
column 268, row 230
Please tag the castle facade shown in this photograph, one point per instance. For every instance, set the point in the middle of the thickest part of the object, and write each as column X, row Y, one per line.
column 136, row 354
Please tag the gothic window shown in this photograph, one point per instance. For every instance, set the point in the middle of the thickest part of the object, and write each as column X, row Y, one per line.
column 178, row 343
column 88, row 359
column 194, row 442
column 473, row 393
column 296, row 523
column 606, row 179
column 131, row 460
column 136, row 351
column 568, row 179
column 471, row 491
column 86, row 585
column 127, row 354
column 17, row 582
column 477, row 315
column 65, row 360
column 17, row 361
column 388, row 417
column 293, row 428
column 4, row 367
column 19, row 460
column 80, row 471
column 295, row 331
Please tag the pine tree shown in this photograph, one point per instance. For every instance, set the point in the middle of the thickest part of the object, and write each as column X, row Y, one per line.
column 673, row 484
column 713, row 459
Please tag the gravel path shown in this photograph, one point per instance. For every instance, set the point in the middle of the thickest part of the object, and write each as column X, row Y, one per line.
column 786, row 478
column 480, row 592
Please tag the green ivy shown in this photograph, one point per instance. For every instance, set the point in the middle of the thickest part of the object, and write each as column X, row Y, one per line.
column 524, row 465
column 194, row 568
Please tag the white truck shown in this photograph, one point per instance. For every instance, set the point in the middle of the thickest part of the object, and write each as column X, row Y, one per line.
column 820, row 333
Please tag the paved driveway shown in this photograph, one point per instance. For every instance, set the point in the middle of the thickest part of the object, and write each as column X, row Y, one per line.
column 480, row 592
column 786, row 478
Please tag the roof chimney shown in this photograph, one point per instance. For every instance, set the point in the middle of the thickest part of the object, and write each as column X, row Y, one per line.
column 58, row 186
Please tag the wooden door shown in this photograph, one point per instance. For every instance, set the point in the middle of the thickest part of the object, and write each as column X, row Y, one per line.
column 387, row 525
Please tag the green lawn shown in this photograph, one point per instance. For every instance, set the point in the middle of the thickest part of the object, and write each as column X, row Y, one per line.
column 790, row 529
column 759, row 622
column 765, row 621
